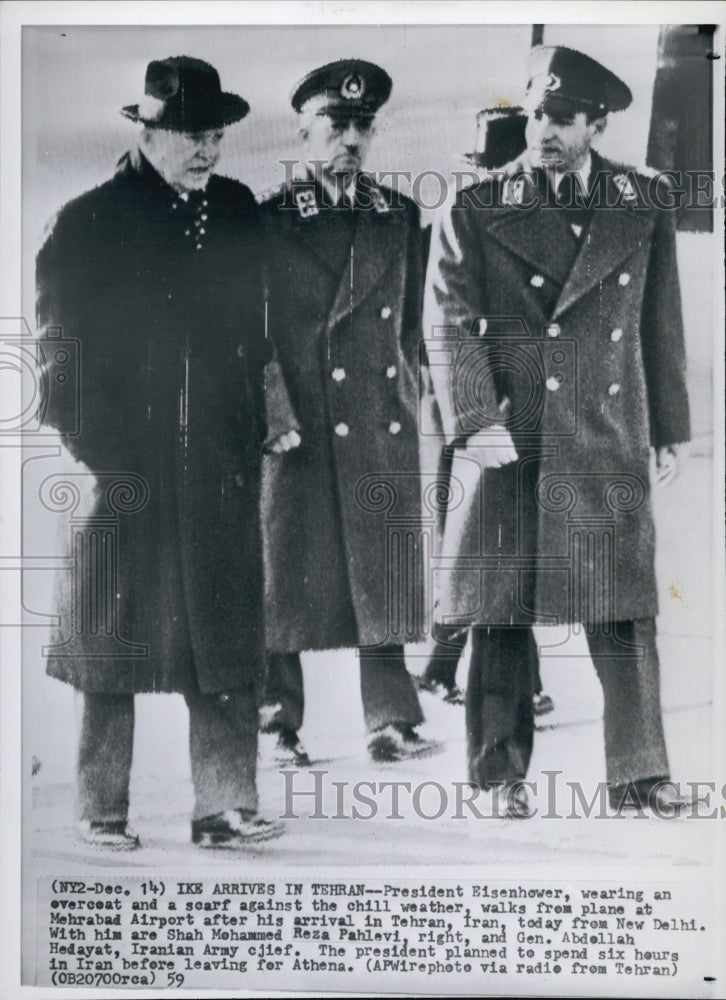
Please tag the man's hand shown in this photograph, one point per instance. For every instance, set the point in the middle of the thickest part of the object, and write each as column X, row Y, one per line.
column 494, row 447
column 666, row 466
column 285, row 442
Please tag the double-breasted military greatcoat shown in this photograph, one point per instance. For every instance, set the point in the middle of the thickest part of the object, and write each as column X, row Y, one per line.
column 576, row 346
column 344, row 310
column 165, row 300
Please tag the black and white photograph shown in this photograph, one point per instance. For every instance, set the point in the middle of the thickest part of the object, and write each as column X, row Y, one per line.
column 362, row 552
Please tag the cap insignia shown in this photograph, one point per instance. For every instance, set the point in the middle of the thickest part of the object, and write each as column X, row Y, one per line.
column 552, row 82
column 352, row 87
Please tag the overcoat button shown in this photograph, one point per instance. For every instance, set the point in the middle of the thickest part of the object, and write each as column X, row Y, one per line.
column 553, row 383
column 205, row 203
column 202, row 232
column 199, row 246
column 224, row 698
column 482, row 327
column 553, row 330
column 342, row 430
column 616, row 335
column 391, row 371
column 173, row 204
column 338, row 374
column 187, row 232
column 613, row 389
column 624, row 279
column 204, row 216
column 239, row 479
column 240, row 351
column 385, row 312
column 394, row 427
column 536, row 280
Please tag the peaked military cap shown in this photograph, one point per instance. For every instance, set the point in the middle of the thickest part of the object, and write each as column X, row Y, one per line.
column 184, row 94
column 500, row 136
column 352, row 85
column 562, row 78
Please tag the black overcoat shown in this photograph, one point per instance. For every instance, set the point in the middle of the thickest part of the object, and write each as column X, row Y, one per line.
column 165, row 300
column 577, row 347
column 345, row 315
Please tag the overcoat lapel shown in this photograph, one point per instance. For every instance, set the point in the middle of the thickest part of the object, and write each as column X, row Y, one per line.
column 541, row 238
column 378, row 241
column 310, row 232
column 612, row 236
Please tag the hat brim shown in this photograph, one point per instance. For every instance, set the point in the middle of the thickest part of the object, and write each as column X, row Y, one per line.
column 227, row 109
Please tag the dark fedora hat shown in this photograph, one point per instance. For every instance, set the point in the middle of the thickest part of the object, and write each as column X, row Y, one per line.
column 184, row 94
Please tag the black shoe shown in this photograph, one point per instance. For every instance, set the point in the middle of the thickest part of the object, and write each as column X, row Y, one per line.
column 393, row 743
column 514, row 796
column 658, row 795
column 450, row 693
column 114, row 835
column 234, row 828
column 542, row 704
column 289, row 749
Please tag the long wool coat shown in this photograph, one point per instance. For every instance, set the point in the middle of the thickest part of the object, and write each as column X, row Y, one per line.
column 345, row 314
column 166, row 302
column 577, row 347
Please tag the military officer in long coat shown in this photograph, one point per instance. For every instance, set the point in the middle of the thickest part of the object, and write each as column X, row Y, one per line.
column 345, row 312
column 553, row 322
column 156, row 274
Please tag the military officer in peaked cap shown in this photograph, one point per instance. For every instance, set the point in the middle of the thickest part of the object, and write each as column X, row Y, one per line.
column 156, row 273
column 345, row 311
column 556, row 348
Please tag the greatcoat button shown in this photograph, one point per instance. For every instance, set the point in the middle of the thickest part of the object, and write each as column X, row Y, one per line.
column 482, row 327
column 385, row 312
column 342, row 430
column 338, row 374
column 187, row 232
column 394, row 427
column 624, row 279
column 239, row 479
column 616, row 335
column 553, row 383
column 205, row 203
column 536, row 280
column 613, row 389
column 391, row 371
column 204, row 216
column 553, row 330
column 240, row 351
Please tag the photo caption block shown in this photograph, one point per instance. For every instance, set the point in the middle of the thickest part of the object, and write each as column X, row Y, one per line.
column 382, row 935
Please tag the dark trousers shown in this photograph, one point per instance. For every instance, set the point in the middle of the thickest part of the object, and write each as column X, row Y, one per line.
column 499, row 718
column 222, row 746
column 449, row 643
column 387, row 690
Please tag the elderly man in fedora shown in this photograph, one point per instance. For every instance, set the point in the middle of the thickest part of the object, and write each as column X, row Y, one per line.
column 157, row 273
